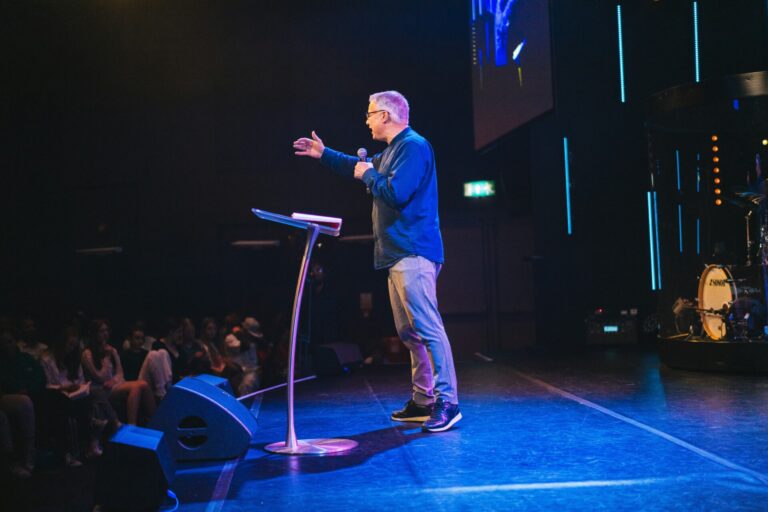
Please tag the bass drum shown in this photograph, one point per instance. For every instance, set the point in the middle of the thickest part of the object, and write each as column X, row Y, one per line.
column 731, row 301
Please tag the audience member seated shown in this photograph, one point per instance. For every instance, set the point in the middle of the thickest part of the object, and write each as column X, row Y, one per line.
column 231, row 326
column 157, row 372
column 87, row 412
column 18, row 412
column 219, row 364
column 102, row 363
column 209, row 333
column 170, row 344
column 22, row 374
column 133, row 357
column 193, row 358
column 17, row 434
column 148, row 340
column 243, row 349
column 29, row 339
column 6, row 443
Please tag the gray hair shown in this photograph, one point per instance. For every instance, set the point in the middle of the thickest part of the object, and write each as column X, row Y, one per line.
column 394, row 103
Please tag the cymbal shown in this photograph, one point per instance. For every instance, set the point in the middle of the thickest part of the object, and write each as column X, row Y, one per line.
column 759, row 188
column 742, row 202
column 752, row 197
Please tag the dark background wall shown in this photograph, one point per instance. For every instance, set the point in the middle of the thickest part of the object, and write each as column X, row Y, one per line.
column 156, row 126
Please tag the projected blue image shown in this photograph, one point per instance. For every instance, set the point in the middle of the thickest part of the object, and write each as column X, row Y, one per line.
column 511, row 75
column 501, row 12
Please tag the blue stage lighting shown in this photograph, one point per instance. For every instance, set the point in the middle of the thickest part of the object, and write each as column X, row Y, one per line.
column 696, row 40
column 680, row 225
column 651, row 242
column 698, row 173
column 621, row 54
column 698, row 236
column 658, row 243
column 567, row 185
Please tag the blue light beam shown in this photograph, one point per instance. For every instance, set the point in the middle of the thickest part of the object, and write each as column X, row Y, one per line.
column 696, row 40
column 658, row 243
column 651, row 244
column 621, row 54
column 566, row 166
column 680, row 225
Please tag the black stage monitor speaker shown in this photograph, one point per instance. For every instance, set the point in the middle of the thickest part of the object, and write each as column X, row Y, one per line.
column 203, row 421
column 217, row 382
column 333, row 358
column 135, row 471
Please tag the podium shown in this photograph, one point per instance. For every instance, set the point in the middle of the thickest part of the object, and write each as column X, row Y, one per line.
column 292, row 446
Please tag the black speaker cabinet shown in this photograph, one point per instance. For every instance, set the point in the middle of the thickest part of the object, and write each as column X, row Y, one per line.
column 135, row 471
column 202, row 421
column 217, row 382
column 333, row 358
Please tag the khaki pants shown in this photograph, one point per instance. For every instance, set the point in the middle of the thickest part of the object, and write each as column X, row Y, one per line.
column 412, row 292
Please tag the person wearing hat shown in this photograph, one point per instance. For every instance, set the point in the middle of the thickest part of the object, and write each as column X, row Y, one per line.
column 249, row 347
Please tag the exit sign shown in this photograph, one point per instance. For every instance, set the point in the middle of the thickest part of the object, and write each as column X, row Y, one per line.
column 479, row 189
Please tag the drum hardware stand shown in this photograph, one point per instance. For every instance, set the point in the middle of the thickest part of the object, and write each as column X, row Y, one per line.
column 681, row 305
column 722, row 312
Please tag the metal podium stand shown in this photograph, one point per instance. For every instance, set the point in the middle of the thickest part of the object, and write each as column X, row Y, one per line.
column 292, row 446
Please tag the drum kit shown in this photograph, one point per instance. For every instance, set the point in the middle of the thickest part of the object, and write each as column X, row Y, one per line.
column 731, row 298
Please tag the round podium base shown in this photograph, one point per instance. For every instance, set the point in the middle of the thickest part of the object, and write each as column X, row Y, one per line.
column 313, row 447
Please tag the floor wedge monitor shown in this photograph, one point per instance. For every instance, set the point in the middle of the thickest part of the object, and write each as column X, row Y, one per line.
column 203, row 421
column 135, row 471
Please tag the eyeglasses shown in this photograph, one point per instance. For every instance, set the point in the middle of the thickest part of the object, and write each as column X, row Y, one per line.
column 369, row 114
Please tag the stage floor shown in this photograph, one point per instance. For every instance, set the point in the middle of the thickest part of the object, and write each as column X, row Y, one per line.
column 606, row 430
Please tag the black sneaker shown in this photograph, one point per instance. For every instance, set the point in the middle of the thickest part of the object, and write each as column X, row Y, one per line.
column 444, row 416
column 413, row 412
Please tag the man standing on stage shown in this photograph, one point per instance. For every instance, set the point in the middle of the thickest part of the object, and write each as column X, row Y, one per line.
column 403, row 182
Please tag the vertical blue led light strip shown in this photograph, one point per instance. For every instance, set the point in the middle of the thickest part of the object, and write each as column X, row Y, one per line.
column 473, row 10
column 680, row 225
column 651, row 242
column 698, row 236
column 621, row 53
column 696, row 39
column 698, row 190
column 679, row 206
column 658, row 244
column 698, row 172
column 567, row 185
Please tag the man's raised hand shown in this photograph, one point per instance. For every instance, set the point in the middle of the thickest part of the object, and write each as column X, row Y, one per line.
column 309, row 147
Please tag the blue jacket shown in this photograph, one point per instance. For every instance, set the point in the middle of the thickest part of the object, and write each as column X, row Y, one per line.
column 403, row 183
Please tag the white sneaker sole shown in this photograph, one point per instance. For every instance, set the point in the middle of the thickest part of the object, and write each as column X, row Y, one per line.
column 446, row 427
column 412, row 419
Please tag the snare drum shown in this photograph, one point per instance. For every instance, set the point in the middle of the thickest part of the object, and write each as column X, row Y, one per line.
column 731, row 299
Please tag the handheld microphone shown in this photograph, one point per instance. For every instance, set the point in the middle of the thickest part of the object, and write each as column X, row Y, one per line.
column 362, row 154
